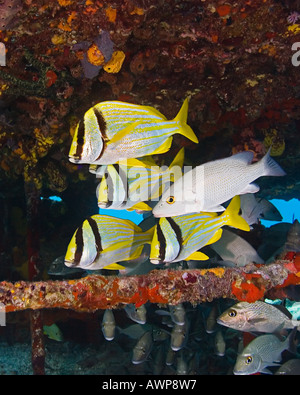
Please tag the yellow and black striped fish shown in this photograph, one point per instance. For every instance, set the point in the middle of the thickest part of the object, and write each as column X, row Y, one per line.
column 102, row 241
column 131, row 187
column 112, row 131
column 179, row 238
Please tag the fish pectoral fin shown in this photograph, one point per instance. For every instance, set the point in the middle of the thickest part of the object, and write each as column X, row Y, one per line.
column 140, row 206
column 144, row 163
column 164, row 147
column 250, row 188
column 123, row 133
column 114, row 266
column 254, row 321
column 215, row 237
column 197, row 256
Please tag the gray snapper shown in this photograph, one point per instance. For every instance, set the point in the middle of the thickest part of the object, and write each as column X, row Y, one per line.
column 257, row 317
column 263, row 351
column 208, row 186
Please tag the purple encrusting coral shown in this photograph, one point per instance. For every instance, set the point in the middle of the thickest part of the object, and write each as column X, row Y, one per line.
column 8, row 11
column 105, row 45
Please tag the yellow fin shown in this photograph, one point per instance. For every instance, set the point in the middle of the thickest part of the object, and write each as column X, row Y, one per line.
column 102, row 192
column 166, row 145
column 197, row 256
column 114, row 266
column 181, row 118
column 134, row 162
column 140, row 206
column 154, row 111
column 215, row 237
column 232, row 212
column 178, row 160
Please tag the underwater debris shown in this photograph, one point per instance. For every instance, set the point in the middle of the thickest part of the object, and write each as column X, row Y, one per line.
column 173, row 287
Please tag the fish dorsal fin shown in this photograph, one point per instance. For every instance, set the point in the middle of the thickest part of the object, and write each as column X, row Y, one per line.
column 178, row 160
column 183, row 112
column 244, row 156
column 154, row 111
column 197, row 256
column 283, row 310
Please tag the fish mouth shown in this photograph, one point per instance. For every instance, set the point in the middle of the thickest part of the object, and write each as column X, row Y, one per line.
column 74, row 159
column 69, row 263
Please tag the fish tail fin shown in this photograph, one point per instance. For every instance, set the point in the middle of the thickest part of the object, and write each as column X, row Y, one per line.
column 270, row 166
column 233, row 217
column 184, row 128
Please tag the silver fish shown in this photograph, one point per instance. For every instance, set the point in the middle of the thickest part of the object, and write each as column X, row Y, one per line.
column 211, row 322
column 219, row 345
column 182, row 367
column 263, row 351
column 257, row 317
column 108, row 325
column 232, row 247
column 254, row 209
column 136, row 314
column 208, row 186
column 290, row 368
column 142, row 348
column 177, row 313
column 158, row 360
column 170, row 357
column 179, row 336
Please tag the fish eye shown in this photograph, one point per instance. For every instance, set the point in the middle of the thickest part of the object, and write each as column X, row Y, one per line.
column 232, row 313
column 171, row 200
column 248, row 359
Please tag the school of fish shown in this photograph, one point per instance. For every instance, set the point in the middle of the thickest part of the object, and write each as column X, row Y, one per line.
column 184, row 211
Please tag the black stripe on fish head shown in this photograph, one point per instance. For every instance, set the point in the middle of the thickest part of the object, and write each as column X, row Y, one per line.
column 79, row 246
column 162, row 243
column 79, row 140
column 177, row 231
column 101, row 123
column 97, row 236
column 103, row 128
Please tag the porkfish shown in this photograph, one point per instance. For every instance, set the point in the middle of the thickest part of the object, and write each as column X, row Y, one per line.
column 112, row 131
column 102, row 241
column 208, row 186
column 129, row 188
column 180, row 238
